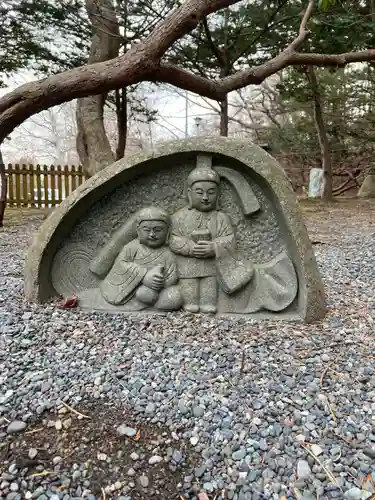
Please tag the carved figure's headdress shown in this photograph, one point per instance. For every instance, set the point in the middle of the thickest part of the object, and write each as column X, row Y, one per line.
column 202, row 173
column 153, row 213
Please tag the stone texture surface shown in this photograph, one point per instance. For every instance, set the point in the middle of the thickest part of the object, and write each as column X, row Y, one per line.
column 367, row 190
column 90, row 216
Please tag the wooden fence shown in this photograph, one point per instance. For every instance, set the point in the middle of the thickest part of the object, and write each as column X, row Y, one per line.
column 41, row 185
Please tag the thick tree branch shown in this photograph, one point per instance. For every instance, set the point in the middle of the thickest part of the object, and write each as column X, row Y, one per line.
column 93, row 146
column 216, row 89
column 142, row 62
column 185, row 80
column 99, row 78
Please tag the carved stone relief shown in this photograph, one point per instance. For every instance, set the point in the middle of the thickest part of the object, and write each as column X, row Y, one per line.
column 199, row 234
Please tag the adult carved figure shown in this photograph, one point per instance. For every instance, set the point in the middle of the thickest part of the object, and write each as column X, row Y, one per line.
column 200, row 233
column 214, row 276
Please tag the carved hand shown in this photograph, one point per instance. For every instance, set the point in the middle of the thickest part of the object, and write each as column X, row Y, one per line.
column 154, row 279
column 204, row 249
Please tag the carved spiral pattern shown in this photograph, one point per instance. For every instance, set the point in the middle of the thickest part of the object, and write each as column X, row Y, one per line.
column 70, row 270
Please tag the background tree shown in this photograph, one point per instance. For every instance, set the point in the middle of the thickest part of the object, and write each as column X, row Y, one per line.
column 55, row 36
column 146, row 61
column 333, row 30
column 235, row 38
column 49, row 137
column 3, row 189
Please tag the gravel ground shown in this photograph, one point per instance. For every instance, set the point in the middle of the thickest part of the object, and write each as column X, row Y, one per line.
column 183, row 407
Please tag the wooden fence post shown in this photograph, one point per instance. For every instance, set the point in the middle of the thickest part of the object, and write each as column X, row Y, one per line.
column 41, row 186
column 38, row 175
column 17, row 179
column 32, row 186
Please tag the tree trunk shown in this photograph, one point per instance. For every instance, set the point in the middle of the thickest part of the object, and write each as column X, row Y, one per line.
column 322, row 136
column 221, row 54
column 224, row 61
column 224, row 119
column 93, row 146
column 122, row 122
column 3, row 189
column 142, row 62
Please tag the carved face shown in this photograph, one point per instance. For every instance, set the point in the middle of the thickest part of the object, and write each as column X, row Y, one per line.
column 203, row 195
column 152, row 233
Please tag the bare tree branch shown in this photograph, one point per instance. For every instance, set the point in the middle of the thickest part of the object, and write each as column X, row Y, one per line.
column 143, row 62
column 132, row 67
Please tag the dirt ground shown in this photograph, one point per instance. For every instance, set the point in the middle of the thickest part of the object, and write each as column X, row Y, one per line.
column 86, row 438
column 326, row 222
column 90, row 438
column 342, row 207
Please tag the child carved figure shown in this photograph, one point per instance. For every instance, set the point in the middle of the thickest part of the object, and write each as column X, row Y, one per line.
column 145, row 272
column 199, row 233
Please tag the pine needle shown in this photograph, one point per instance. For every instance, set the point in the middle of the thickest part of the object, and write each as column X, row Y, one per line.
column 137, row 437
column 41, row 474
column 75, row 411
column 297, row 493
column 331, row 411
column 328, row 472
column 34, row 431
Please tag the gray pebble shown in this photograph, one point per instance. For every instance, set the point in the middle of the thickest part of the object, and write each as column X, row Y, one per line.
column 177, row 456
column 239, row 455
column 123, row 430
column 263, row 445
column 32, row 453
column 182, row 408
column 13, row 496
column 76, row 475
column 143, row 481
column 198, row 411
column 208, row 487
column 303, row 469
column 16, row 426
column 199, row 471
column 39, row 491
column 353, row 494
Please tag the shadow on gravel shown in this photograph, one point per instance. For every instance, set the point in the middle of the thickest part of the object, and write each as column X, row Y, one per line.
column 67, row 453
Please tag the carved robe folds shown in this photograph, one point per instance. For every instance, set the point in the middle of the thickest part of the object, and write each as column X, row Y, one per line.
column 273, row 286
column 130, row 268
column 243, row 287
column 187, row 222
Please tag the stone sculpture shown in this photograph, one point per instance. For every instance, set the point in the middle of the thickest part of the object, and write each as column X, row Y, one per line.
column 144, row 273
column 204, row 240
column 205, row 225
column 367, row 189
column 316, row 180
column 200, row 232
